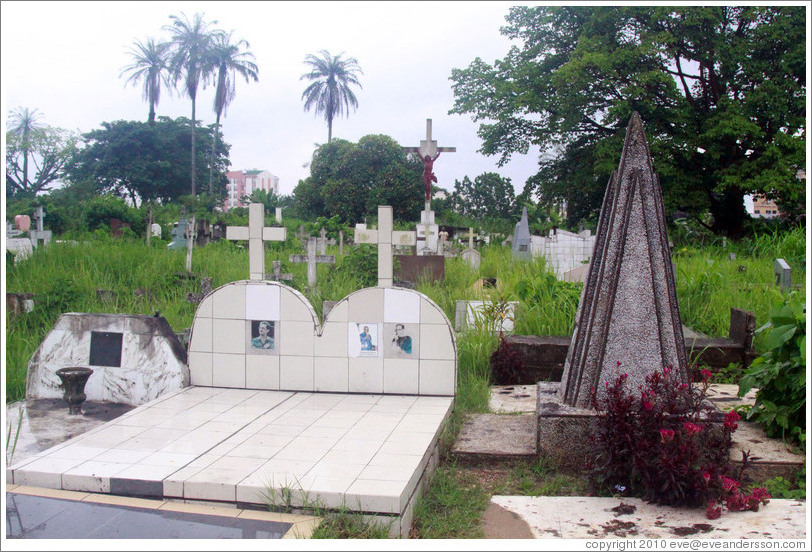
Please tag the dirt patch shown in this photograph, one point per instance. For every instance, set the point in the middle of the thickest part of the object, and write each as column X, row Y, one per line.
column 692, row 530
column 619, row 528
column 624, row 509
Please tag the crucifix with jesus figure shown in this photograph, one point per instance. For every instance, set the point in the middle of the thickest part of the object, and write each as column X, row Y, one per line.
column 428, row 152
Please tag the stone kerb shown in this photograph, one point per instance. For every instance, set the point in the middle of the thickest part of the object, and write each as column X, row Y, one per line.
column 375, row 340
column 134, row 358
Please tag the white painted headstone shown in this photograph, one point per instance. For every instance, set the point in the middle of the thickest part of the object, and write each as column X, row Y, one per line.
column 385, row 237
column 256, row 233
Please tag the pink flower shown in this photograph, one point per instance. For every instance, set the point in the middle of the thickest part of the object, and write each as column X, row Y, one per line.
column 729, row 484
column 706, row 375
column 706, row 477
column 730, row 420
column 692, row 428
column 667, row 435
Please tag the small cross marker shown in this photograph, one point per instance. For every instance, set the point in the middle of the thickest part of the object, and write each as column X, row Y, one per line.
column 256, row 233
column 385, row 237
column 312, row 260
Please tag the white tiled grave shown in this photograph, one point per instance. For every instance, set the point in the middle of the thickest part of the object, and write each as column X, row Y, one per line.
column 365, row 452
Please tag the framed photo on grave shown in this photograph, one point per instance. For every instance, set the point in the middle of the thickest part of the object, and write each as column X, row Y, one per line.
column 262, row 337
column 363, row 339
column 401, row 340
column 105, row 348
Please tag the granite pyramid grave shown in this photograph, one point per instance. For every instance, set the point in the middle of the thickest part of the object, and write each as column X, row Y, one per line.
column 628, row 312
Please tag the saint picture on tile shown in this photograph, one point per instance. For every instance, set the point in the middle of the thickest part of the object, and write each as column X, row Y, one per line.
column 368, row 339
column 262, row 335
column 401, row 342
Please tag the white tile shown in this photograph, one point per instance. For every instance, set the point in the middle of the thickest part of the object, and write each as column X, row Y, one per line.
column 229, row 336
column 171, row 459
column 296, row 338
column 431, row 313
column 366, row 375
column 373, row 495
column 201, row 337
column 366, row 305
column 208, row 490
column 438, row 377
column 400, row 376
column 331, row 374
column 33, row 478
column 339, row 313
column 262, row 302
column 229, row 301
column 436, row 342
column 123, row 456
column 401, row 305
column 87, row 483
column 333, row 340
column 148, row 472
column 204, row 309
column 350, row 457
column 228, row 370
column 296, row 308
column 262, row 371
column 296, row 373
column 236, row 462
column 399, row 472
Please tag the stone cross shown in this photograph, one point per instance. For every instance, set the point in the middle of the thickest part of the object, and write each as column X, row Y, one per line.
column 190, row 241
column 312, row 260
column 323, row 241
column 302, row 235
column 385, row 237
column 277, row 275
column 341, row 242
column 278, row 214
column 783, row 275
column 39, row 217
column 149, row 224
column 428, row 147
column 256, row 233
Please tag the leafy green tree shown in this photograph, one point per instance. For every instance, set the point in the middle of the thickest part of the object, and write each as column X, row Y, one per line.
column 350, row 180
column 144, row 161
column 190, row 61
column 489, row 196
column 149, row 67
column 229, row 60
column 721, row 90
column 267, row 198
column 330, row 92
column 47, row 148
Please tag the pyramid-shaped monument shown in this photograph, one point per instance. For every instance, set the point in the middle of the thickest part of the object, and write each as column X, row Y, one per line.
column 628, row 311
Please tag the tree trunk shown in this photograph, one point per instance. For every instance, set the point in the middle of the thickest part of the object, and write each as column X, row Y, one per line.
column 193, row 147
column 151, row 116
column 728, row 213
column 213, row 149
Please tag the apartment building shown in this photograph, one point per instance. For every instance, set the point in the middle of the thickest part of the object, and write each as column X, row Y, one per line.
column 242, row 183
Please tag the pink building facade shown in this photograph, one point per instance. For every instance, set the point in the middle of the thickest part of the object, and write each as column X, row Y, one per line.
column 243, row 183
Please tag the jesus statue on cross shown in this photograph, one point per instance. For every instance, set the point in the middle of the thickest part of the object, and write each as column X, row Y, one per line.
column 428, row 153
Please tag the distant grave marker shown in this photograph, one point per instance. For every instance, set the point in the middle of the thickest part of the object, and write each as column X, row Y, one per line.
column 312, row 260
column 783, row 275
column 256, row 234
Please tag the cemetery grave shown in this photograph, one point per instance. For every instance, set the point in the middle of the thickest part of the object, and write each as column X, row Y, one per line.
column 345, row 411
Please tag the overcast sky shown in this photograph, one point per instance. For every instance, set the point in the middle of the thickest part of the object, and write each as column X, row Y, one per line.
column 65, row 58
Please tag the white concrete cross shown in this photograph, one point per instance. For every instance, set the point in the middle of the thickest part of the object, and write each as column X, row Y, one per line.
column 385, row 237
column 312, row 260
column 256, row 232
column 323, row 241
column 428, row 146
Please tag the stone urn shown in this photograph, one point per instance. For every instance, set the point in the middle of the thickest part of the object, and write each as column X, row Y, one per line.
column 73, row 382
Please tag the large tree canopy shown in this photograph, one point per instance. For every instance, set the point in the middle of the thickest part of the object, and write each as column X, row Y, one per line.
column 150, row 161
column 36, row 159
column 351, row 180
column 721, row 90
column 488, row 197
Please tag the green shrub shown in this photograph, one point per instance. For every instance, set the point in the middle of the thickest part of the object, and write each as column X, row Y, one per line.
column 780, row 374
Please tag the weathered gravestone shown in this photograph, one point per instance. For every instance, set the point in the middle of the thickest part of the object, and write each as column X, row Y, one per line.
column 312, row 261
column 783, row 275
column 520, row 247
column 471, row 255
column 179, row 232
column 134, row 358
column 628, row 312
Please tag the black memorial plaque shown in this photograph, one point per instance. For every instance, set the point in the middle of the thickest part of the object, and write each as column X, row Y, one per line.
column 105, row 348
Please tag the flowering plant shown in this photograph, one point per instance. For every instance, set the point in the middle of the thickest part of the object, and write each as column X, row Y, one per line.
column 659, row 443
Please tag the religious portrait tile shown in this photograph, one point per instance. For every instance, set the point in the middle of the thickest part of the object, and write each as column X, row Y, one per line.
column 263, row 337
column 363, row 339
column 401, row 340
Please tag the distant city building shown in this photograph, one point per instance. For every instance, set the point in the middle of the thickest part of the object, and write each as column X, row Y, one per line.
column 243, row 183
column 764, row 208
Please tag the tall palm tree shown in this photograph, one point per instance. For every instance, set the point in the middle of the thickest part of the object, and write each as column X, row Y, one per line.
column 24, row 122
column 229, row 60
column 189, row 61
column 330, row 90
column 150, row 67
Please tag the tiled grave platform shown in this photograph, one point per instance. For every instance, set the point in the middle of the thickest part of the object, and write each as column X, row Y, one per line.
column 370, row 453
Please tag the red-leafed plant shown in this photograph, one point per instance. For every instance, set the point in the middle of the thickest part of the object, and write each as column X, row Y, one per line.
column 657, row 443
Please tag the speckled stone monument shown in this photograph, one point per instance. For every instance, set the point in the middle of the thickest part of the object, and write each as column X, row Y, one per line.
column 628, row 312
